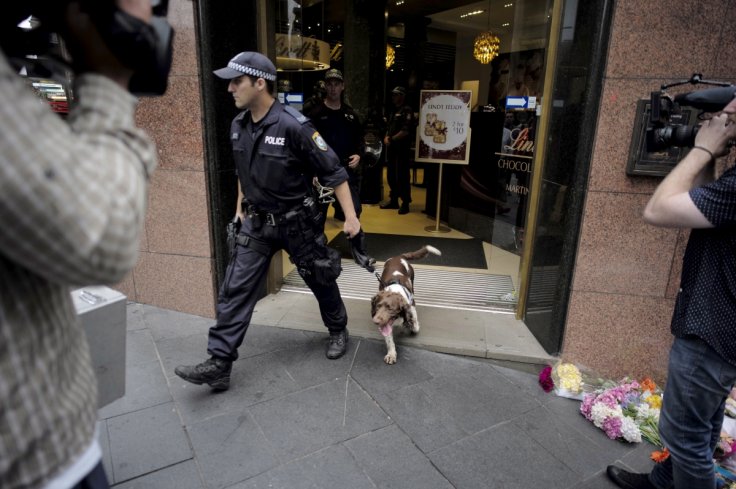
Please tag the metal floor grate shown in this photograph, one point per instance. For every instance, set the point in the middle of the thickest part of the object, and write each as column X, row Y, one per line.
column 435, row 288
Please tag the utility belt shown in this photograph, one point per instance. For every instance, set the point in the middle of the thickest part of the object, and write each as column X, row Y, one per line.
column 302, row 227
column 307, row 210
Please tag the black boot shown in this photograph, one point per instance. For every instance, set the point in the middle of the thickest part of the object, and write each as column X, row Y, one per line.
column 338, row 344
column 360, row 254
column 404, row 209
column 214, row 372
column 391, row 204
column 628, row 480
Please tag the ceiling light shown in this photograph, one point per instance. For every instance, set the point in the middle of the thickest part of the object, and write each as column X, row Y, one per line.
column 390, row 56
column 487, row 44
column 474, row 12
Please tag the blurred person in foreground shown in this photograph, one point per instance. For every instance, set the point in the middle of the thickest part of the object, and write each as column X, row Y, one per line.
column 702, row 363
column 72, row 203
column 278, row 153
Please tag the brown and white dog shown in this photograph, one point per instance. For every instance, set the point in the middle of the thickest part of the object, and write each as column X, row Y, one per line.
column 395, row 297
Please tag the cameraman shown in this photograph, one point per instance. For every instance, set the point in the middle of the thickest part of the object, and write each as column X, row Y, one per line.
column 702, row 364
column 72, row 203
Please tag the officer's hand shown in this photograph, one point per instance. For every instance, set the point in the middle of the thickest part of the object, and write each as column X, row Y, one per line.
column 386, row 141
column 351, row 226
column 240, row 216
column 354, row 161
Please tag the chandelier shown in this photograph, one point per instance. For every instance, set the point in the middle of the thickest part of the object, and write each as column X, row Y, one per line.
column 485, row 47
column 390, row 56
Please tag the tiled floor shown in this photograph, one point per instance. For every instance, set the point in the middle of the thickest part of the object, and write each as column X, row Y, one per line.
column 294, row 420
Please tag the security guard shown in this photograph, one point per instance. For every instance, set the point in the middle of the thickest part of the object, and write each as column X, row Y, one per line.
column 277, row 154
column 398, row 155
column 340, row 126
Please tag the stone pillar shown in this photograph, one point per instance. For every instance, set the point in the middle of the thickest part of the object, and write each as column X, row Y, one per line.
column 225, row 28
column 365, row 54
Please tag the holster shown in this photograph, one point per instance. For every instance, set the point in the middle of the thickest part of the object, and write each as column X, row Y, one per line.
column 326, row 270
column 360, row 254
column 232, row 229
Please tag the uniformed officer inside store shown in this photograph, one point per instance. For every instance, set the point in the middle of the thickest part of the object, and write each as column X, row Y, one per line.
column 277, row 154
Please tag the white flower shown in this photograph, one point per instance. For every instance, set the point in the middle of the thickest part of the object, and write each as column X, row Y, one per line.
column 630, row 431
column 599, row 412
column 643, row 411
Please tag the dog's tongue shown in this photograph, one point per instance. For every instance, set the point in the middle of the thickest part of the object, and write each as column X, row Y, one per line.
column 386, row 328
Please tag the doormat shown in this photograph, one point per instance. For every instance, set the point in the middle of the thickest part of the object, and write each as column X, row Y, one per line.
column 459, row 253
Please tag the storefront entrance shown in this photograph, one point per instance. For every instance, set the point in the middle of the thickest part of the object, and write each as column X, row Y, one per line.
column 438, row 45
column 532, row 119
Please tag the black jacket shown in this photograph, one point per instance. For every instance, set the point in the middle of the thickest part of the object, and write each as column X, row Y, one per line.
column 276, row 163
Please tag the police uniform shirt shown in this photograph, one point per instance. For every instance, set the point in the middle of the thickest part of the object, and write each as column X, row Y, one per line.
column 341, row 129
column 277, row 157
column 401, row 119
column 706, row 302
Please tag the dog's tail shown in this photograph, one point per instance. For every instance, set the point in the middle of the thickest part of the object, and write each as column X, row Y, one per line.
column 421, row 253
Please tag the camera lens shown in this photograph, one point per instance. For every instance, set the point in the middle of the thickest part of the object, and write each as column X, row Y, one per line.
column 662, row 138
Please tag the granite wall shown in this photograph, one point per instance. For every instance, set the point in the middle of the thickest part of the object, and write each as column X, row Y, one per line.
column 626, row 272
column 175, row 266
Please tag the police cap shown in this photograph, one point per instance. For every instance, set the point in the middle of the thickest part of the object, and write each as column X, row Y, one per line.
column 248, row 63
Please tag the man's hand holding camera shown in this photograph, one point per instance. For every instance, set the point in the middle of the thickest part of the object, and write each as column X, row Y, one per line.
column 671, row 205
column 716, row 134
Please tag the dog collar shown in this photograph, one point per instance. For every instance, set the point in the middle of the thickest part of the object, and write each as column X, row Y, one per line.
column 400, row 289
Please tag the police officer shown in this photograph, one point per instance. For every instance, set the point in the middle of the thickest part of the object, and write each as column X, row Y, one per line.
column 340, row 126
column 397, row 143
column 277, row 154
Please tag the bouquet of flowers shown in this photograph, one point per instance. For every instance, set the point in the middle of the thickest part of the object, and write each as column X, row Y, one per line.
column 569, row 380
column 628, row 410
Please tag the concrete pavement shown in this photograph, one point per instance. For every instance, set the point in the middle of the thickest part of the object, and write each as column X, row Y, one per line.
column 293, row 419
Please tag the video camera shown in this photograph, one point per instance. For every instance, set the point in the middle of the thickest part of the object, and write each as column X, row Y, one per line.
column 665, row 129
column 32, row 41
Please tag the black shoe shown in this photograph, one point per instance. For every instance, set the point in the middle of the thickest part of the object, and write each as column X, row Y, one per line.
column 214, row 372
column 628, row 480
column 404, row 208
column 392, row 204
column 338, row 344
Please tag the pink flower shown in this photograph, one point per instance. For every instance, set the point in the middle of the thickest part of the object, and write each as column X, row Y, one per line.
column 612, row 427
column 587, row 405
column 545, row 379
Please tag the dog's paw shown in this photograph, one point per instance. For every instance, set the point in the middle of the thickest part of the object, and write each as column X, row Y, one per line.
column 390, row 359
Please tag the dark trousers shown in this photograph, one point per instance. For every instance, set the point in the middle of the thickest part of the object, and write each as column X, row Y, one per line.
column 398, row 174
column 244, row 278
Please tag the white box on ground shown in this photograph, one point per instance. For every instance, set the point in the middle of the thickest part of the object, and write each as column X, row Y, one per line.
column 102, row 313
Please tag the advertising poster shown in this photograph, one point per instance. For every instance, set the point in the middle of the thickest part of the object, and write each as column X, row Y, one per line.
column 443, row 132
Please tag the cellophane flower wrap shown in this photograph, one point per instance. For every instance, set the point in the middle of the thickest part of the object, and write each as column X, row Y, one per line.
column 628, row 410
column 573, row 381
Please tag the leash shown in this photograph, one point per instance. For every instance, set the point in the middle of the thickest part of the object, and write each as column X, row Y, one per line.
column 380, row 281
